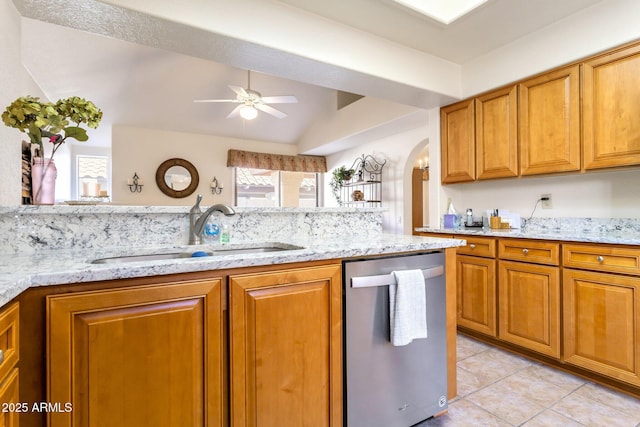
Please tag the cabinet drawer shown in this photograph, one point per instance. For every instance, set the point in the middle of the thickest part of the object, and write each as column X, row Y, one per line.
column 9, row 331
column 478, row 246
column 442, row 236
column 602, row 258
column 529, row 251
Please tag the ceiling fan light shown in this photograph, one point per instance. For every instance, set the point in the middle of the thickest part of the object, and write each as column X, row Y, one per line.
column 248, row 112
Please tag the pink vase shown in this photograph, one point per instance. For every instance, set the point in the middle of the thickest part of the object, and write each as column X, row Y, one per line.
column 43, row 181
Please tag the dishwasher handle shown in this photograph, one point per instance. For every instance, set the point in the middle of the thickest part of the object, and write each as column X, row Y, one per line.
column 389, row 279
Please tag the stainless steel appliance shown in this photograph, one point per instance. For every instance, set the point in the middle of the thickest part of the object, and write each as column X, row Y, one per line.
column 386, row 385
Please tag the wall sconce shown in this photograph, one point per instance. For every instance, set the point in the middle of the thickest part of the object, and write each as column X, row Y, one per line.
column 216, row 188
column 424, row 165
column 135, row 184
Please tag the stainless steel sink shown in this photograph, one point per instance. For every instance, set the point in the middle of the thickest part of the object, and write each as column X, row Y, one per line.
column 195, row 254
column 144, row 257
column 236, row 251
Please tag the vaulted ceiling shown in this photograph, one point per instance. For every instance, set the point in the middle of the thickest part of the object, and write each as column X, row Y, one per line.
column 115, row 58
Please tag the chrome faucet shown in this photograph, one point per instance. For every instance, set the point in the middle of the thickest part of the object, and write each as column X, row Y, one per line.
column 198, row 219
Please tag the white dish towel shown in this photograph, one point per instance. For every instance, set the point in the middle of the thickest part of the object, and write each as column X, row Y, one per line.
column 407, row 307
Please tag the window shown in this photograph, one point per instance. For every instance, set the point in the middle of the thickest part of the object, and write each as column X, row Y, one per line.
column 272, row 188
column 93, row 177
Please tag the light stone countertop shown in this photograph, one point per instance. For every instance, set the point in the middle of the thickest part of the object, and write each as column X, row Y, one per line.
column 620, row 237
column 19, row 272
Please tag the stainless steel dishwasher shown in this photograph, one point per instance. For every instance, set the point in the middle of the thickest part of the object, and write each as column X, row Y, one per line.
column 386, row 385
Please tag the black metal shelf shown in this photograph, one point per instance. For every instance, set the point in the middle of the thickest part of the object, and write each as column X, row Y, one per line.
column 365, row 186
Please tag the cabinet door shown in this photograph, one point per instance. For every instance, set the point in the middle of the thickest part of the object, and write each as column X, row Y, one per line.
column 549, row 108
column 601, row 323
column 497, row 134
column 9, row 339
column 139, row 356
column 457, row 139
column 286, row 348
column 9, row 395
column 610, row 109
column 476, row 293
column 529, row 306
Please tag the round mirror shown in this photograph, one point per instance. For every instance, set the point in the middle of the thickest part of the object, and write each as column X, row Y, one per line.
column 177, row 178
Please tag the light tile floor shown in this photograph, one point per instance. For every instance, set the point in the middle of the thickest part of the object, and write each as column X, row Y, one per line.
column 498, row 388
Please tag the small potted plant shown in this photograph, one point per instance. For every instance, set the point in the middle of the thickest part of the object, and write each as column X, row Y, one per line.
column 339, row 176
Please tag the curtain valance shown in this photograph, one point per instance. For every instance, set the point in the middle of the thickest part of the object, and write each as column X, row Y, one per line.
column 282, row 162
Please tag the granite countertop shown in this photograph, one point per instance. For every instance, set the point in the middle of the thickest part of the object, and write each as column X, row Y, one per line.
column 19, row 272
column 597, row 235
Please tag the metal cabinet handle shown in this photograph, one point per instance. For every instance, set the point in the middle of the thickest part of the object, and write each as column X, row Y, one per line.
column 525, row 251
column 600, row 258
column 472, row 246
column 1, row 356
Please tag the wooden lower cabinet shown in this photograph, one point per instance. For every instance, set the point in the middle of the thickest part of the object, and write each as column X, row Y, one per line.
column 9, row 397
column 529, row 306
column 602, row 323
column 286, row 348
column 137, row 356
column 476, row 293
column 9, row 357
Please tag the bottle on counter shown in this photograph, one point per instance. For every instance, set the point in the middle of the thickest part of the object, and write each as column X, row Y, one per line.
column 469, row 221
column 225, row 233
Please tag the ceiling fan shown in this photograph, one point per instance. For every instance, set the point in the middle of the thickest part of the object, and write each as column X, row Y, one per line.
column 251, row 101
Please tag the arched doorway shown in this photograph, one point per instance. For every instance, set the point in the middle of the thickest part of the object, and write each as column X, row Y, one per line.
column 420, row 189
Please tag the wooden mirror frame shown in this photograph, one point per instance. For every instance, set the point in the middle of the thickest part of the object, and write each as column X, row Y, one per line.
column 162, row 185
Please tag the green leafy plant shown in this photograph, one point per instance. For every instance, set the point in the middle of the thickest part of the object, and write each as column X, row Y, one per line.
column 48, row 120
column 339, row 176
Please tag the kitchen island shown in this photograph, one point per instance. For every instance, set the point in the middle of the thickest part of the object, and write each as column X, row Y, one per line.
column 222, row 340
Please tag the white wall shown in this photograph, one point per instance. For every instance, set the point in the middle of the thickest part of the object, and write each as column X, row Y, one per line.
column 142, row 150
column 12, row 76
column 399, row 150
column 613, row 194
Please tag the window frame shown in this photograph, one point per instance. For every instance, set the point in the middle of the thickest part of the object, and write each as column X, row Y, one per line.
column 278, row 188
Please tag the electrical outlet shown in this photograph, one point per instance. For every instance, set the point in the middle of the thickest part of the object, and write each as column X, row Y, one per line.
column 546, row 201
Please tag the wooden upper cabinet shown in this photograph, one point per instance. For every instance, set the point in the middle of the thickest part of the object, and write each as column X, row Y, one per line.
column 457, row 129
column 611, row 109
column 549, row 125
column 497, row 134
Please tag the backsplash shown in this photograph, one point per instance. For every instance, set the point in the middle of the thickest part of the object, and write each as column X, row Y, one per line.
column 582, row 225
column 30, row 229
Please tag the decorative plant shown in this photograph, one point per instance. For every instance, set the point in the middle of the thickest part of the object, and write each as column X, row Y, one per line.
column 48, row 120
column 339, row 176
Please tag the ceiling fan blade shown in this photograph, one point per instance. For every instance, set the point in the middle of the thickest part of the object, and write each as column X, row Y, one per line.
column 270, row 110
column 239, row 90
column 215, row 100
column 235, row 112
column 284, row 99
